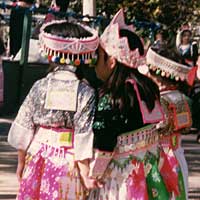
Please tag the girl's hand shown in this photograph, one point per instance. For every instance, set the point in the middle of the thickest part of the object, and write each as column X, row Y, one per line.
column 21, row 164
column 91, row 183
column 20, row 169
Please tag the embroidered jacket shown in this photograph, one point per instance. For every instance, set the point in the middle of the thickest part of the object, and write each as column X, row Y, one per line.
column 33, row 114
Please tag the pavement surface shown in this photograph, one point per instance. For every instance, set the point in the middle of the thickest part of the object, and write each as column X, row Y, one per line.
column 8, row 163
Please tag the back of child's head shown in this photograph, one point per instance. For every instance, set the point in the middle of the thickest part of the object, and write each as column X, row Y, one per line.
column 168, row 52
column 64, row 43
column 67, row 29
column 63, row 4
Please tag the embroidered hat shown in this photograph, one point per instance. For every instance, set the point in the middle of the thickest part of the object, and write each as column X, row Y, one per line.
column 169, row 68
column 69, row 50
column 117, row 46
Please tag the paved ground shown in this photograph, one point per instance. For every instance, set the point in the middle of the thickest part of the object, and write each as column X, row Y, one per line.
column 8, row 161
column 192, row 152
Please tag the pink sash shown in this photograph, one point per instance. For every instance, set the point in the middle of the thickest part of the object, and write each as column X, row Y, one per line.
column 156, row 115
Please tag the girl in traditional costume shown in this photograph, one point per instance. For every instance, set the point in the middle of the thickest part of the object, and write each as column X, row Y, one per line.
column 187, row 48
column 189, row 52
column 171, row 75
column 126, row 141
column 53, row 128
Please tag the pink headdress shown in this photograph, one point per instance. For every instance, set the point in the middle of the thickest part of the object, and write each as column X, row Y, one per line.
column 117, row 46
column 69, row 50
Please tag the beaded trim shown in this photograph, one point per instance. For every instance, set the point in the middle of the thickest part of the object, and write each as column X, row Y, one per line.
column 166, row 67
column 138, row 139
column 70, row 51
column 135, row 145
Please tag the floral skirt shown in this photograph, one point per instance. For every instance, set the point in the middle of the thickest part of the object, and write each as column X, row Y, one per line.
column 50, row 172
column 142, row 169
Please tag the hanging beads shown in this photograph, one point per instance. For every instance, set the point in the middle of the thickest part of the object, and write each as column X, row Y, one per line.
column 172, row 76
column 163, row 73
column 77, row 62
column 158, row 71
column 62, row 60
column 67, row 61
column 177, row 78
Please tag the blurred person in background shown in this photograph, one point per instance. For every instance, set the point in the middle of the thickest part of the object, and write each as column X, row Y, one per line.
column 58, row 6
column 160, row 36
column 187, row 48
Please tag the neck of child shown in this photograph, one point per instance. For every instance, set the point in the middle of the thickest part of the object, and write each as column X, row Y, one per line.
column 100, row 74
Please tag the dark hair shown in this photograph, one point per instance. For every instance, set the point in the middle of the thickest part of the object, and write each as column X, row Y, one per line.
column 122, row 92
column 63, row 4
column 67, row 29
column 28, row 1
column 171, row 54
column 186, row 31
column 166, row 51
column 164, row 33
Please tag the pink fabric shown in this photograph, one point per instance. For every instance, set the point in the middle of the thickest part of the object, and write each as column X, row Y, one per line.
column 156, row 115
column 46, row 177
column 136, row 183
column 191, row 76
column 169, row 173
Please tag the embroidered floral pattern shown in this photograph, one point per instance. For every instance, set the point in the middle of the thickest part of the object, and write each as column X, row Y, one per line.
column 98, row 125
column 43, row 179
column 104, row 103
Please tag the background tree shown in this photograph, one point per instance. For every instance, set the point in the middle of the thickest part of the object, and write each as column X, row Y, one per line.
column 146, row 14
column 167, row 12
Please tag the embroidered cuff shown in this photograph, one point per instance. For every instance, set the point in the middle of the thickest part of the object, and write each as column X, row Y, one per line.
column 20, row 137
column 83, row 146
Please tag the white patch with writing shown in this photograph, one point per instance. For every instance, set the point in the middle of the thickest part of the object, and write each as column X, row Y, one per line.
column 62, row 95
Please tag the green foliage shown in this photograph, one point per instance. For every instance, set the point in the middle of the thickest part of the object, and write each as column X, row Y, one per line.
column 168, row 12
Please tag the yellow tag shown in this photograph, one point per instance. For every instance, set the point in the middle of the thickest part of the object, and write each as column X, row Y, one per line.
column 174, row 141
column 65, row 139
